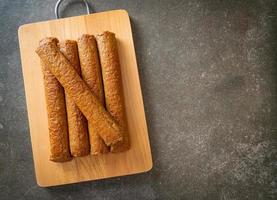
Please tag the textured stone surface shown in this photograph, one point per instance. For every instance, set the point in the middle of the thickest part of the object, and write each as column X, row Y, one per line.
column 209, row 80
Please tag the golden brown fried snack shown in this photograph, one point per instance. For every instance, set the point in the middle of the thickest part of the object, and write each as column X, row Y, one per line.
column 91, row 74
column 77, row 123
column 56, row 110
column 113, row 85
column 77, row 89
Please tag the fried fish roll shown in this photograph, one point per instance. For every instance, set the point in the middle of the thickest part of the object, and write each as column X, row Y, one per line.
column 91, row 74
column 77, row 123
column 77, row 89
column 113, row 85
column 56, row 111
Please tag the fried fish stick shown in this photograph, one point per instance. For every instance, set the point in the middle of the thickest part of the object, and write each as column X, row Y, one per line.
column 91, row 74
column 77, row 89
column 56, row 111
column 113, row 85
column 77, row 123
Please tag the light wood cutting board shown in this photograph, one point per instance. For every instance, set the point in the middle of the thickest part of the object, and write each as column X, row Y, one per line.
column 138, row 159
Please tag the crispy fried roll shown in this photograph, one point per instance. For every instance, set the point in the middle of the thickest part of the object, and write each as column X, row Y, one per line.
column 113, row 85
column 77, row 89
column 56, row 110
column 77, row 123
column 91, row 74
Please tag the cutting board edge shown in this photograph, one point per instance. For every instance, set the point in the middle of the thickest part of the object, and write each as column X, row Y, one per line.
column 45, row 185
column 24, row 26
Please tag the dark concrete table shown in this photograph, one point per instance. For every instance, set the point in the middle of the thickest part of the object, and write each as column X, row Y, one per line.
column 208, row 70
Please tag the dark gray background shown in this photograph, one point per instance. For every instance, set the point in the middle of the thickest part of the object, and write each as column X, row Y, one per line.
column 208, row 71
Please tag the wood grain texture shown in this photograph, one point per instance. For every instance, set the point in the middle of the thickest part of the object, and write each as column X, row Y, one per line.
column 138, row 159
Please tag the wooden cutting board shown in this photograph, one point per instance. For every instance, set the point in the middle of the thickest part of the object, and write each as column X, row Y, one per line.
column 138, row 159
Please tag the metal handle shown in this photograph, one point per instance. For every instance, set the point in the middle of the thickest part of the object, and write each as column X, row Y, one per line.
column 59, row 3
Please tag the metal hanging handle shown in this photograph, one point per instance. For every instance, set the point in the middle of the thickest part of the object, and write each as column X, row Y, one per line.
column 59, row 3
